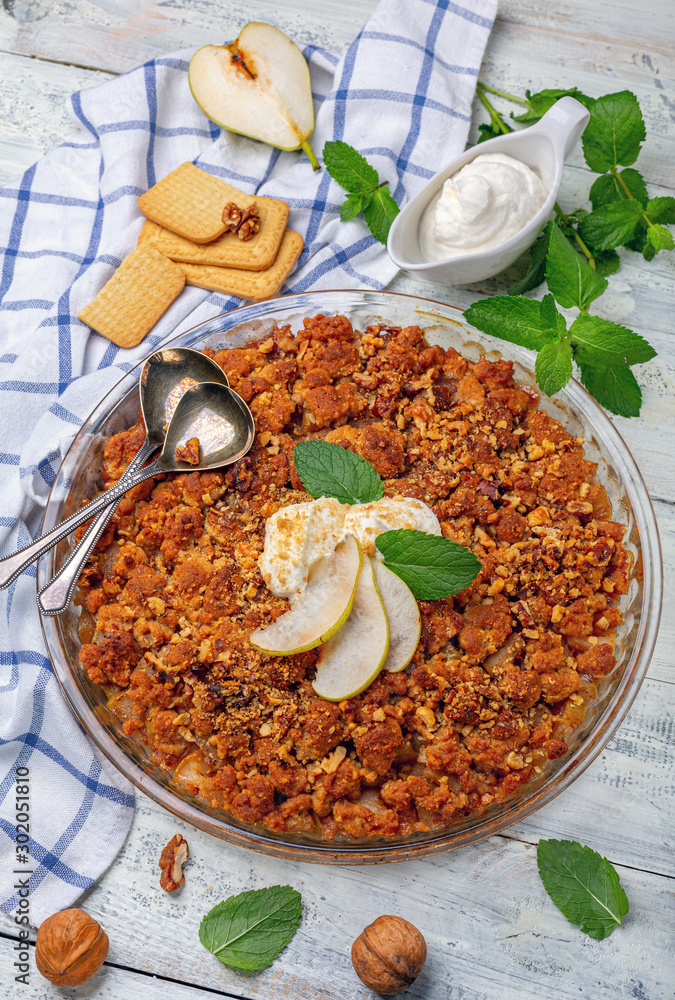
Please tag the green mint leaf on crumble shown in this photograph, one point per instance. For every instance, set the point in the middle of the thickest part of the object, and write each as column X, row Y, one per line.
column 611, row 225
column 329, row 470
column 433, row 567
column 660, row 238
column 536, row 271
column 379, row 213
column 553, row 367
column 511, row 318
column 249, row 930
column 599, row 342
column 614, row 387
column 572, row 281
column 583, row 885
column 615, row 132
column 346, row 166
column 607, row 188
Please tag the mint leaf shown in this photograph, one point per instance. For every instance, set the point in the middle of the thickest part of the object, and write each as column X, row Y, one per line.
column 543, row 101
column 329, row 470
column 352, row 205
column 611, row 225
column 432, row 567
column 346, row 166
column 553, row 367
column 380, row 212
column 607, row 188
column 606, row 261
column 249, row 930
column 615, row 132
column 489, row 130
column 615, row 388
column 517, row 320
column 551, row 320
column 583, row 885
column 661, row 210
column 572, row 281
column 648, row 251
column 536, row 271
column 599, row 342
column 660, row 237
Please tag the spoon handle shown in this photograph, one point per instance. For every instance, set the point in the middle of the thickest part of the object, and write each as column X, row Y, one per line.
column 55, row 597
column 13, row 565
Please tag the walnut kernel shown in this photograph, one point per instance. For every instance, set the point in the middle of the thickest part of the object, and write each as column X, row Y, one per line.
column 171, row 861
column 388, row 956
column 71, row 947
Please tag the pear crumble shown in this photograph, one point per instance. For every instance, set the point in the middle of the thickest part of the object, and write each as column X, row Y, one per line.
column 503, row 670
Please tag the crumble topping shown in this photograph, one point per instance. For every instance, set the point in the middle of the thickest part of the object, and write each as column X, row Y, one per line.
column 504, row 669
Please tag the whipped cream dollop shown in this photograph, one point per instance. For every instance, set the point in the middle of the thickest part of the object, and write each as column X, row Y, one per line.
column 298, row 535
column 481, row 206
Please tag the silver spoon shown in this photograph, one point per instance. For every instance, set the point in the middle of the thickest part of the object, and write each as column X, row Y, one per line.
column 209, row 411
column 164, row 378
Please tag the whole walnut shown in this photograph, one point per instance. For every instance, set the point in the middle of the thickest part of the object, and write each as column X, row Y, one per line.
column 71, row 947
column 388, row 956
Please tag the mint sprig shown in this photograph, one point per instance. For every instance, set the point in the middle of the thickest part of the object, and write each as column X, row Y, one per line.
column 366, row 193
column 249, row 930
column 577, row 251
column 431, row 566
column 583, row 885
column 329, row 470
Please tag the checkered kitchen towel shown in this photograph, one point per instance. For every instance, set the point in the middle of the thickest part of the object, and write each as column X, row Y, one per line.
column 402, row 95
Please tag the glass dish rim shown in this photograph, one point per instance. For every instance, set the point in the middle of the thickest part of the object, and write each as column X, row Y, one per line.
column 439, row 840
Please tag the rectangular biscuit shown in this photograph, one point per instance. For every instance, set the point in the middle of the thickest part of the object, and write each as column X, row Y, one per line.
column 190, row 202
column 228, row 250
column 139, row 292
column 252, row 285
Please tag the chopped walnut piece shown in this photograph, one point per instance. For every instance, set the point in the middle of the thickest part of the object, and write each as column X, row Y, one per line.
column 172, row 859
column 232, row 216
column 244, row 222
column 249, row 225
column 188, row 452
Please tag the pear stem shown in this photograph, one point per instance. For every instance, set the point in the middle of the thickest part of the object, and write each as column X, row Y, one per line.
column 310, row 153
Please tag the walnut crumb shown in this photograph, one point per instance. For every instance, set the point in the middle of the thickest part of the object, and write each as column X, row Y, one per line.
column 173, row 857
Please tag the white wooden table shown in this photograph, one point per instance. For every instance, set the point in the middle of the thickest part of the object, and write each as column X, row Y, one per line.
column 492, row 932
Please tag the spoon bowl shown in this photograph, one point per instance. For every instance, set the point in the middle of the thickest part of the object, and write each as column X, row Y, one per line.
column 218, row 418
column 542, row 147
column 165, row 377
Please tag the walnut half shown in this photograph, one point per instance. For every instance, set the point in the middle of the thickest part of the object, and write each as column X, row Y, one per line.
column 171, row 861
column 244, row 222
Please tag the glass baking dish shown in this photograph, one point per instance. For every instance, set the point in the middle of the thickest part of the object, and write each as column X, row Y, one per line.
column 78, row 479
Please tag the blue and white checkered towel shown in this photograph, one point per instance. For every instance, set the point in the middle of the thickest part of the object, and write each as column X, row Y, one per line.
column 402, row 95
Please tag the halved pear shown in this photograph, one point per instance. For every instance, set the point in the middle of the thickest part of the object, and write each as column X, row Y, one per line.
column 353, row 658
column 321, row 609
column 405, row 622
column 259, row 86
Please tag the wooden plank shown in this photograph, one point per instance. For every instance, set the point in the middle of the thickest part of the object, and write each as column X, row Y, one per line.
column 33, row 114
column 491, row 930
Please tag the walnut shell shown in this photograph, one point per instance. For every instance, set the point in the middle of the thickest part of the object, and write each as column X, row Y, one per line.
column 388, row 956
column 70, row 948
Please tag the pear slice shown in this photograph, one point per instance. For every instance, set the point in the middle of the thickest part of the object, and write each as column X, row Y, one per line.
column 405, row 623
column 353, row 658
column 321, row 609
column 259, row 86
